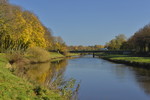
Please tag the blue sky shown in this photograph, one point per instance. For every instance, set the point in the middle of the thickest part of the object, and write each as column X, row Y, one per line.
column 89, row 22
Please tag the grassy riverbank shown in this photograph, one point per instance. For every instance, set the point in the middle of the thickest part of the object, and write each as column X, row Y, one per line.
column 143, row 62
column 55, row 55
column 13, row 87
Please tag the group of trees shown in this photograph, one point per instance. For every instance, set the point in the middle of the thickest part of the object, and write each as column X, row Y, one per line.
column 59, row 45
column 21, row 29
column 139, row 42
column 80, row 47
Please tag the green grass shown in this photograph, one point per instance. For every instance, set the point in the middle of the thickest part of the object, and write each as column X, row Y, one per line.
column 73, row 54
column 55, row 55
column 3, row 60
column 15, row 88
column 128, row 58
column 58, row 55
column 134, row 59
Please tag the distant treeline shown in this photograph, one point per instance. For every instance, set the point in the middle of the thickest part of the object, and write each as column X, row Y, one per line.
column 21, row 29
column 81, row 47
column 139, row 42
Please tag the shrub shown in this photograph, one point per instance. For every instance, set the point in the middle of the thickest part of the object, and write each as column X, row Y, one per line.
column 36, row 54
column 16, row 57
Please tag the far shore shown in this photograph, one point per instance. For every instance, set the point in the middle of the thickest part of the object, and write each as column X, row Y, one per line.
column 141, row 62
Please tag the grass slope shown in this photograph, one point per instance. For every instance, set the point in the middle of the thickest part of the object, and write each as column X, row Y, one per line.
column 16, row 88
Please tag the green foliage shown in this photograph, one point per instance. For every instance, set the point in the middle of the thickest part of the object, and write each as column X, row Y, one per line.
column 115, row 44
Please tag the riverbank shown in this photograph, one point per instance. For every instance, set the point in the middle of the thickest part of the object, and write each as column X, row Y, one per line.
column 142, row 62
column 13, row 87
column 55, row 55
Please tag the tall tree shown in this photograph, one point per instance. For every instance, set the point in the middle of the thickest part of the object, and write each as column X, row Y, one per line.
column 20, row 29
column 140, row 41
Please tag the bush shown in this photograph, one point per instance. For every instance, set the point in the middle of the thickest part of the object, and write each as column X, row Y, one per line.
column 36, row 54
column 16, row 57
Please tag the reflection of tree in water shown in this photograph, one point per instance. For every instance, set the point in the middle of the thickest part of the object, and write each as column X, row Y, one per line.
column 57, row 81
column 44, row 72
column 141, row 75
column 51, row 75
column 57, row 69
column 119, row 70
column 143, row 78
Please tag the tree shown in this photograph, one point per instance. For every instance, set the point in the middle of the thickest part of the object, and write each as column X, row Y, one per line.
column 49, row 38
column 140, row 41
column 36, row 31
column 115, row 44
column 59, row 45
column 98, row 47
column 20, row 29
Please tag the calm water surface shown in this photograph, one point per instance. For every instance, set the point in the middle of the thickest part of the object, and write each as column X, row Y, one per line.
column 102, row 80
column 99, row 79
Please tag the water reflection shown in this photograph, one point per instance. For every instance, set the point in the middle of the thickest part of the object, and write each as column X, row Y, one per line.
column 50, row 75
column 100, row 79
column 143, row 78
column 103, row 80
column 43, row 73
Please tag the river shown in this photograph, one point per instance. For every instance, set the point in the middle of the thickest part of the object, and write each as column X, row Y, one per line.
column 99, row 79
column 104, row 80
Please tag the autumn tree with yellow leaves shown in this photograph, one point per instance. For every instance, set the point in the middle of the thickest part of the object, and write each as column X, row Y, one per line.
column 21, row 29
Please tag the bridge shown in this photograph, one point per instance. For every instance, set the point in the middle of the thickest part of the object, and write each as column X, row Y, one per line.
column 93, row 52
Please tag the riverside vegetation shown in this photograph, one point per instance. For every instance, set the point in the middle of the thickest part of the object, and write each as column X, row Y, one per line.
column 142, row 62
column 15, row 86
column 25, row 40
column 139, row 44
